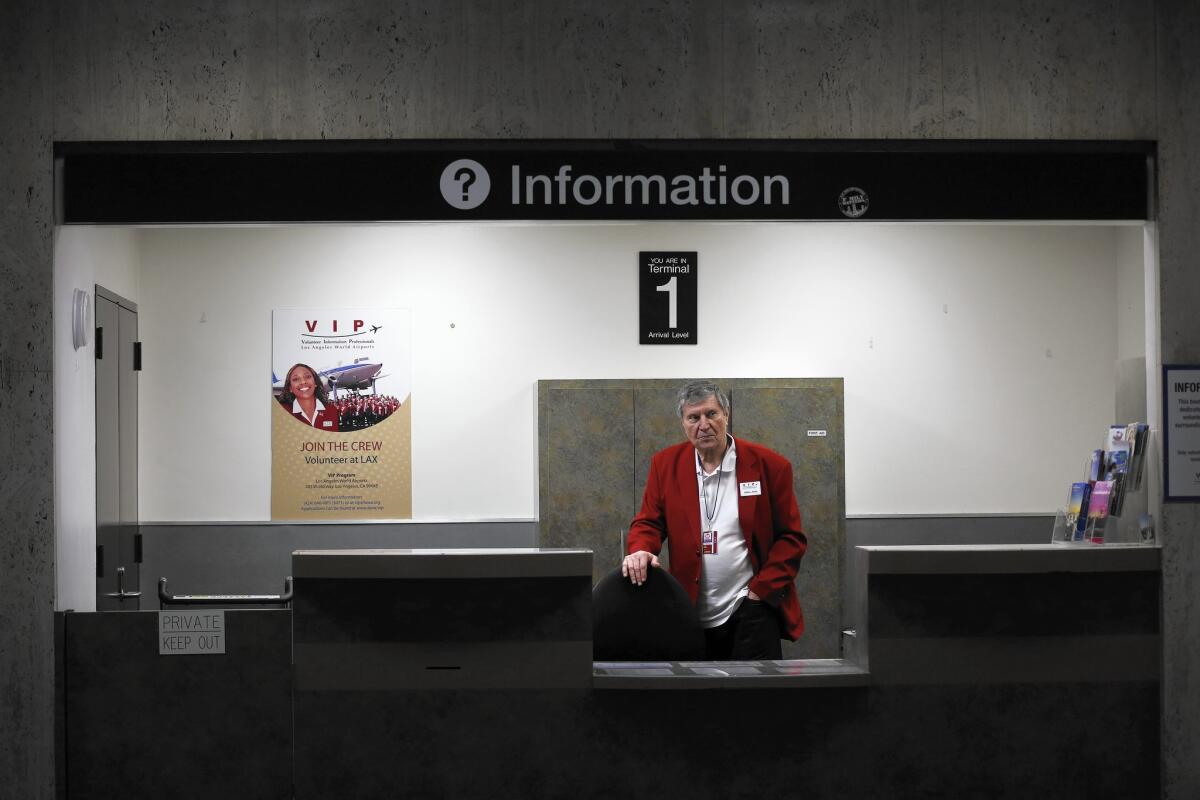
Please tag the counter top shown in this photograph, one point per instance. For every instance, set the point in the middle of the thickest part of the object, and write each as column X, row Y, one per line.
column 497, row 562
column 1009, row 558
column 788, row 674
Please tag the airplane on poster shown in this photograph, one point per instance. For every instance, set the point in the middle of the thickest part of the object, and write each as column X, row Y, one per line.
column 359, row 375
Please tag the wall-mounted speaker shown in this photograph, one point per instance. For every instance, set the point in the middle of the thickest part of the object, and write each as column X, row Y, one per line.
column 81, row 317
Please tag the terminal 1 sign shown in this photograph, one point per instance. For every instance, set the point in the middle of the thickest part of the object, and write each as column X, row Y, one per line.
column 667, row 292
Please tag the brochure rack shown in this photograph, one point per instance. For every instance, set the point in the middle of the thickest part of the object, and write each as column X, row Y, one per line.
column 1112, row 503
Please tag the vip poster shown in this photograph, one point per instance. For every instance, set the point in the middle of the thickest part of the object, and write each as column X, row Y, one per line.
column 341, row 414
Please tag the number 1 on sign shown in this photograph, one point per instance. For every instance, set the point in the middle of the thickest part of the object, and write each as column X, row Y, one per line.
column 673, row 301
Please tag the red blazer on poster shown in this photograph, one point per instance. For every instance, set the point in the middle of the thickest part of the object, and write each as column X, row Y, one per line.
column 770, row 522
column 327, row 417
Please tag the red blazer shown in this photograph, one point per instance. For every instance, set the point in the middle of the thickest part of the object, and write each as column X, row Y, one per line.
column 770, row 522
column 327, row 418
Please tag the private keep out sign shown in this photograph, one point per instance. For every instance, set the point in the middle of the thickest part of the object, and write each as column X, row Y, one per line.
column 191, row 633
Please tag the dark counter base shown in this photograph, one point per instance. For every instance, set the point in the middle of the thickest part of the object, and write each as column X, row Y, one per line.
column 963, row 685
column 1017, row 741
column 135, row 724
column 139, row 725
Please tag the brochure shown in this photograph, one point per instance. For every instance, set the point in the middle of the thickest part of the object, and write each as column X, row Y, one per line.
column 1098, row 511
column 1077, row 510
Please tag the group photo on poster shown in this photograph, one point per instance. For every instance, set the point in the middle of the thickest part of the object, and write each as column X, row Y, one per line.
column 341, row 414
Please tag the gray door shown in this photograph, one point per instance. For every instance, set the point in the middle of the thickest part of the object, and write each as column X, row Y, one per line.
column 117, row 363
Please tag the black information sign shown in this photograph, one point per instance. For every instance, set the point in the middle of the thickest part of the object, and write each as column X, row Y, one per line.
column 475, row 180
column 667, row 297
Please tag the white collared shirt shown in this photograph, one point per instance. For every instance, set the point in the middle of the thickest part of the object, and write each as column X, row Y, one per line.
column 296, row 409
column 724, row 575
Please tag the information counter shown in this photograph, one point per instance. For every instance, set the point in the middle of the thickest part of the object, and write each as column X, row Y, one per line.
column 1006, row 671
column 983, row 671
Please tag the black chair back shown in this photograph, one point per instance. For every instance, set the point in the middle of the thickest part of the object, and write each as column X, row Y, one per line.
column 652, row 622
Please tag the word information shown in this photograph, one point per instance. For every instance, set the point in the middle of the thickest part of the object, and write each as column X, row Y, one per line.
column 191, row 633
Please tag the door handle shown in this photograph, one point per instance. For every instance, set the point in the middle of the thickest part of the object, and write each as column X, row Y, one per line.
column 165, row 599
column 120, row 593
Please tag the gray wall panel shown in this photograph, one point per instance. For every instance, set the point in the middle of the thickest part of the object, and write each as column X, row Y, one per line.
column 254, row 558
column 585, row 467
column 780, row 417
column 657, row 425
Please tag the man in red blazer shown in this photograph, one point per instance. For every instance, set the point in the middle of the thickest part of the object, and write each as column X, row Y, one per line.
column 727, row 510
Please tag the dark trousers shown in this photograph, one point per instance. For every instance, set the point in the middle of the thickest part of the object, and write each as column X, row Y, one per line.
column 751, row 634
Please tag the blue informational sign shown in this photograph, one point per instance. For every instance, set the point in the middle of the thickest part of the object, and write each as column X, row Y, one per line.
column 1181, row 432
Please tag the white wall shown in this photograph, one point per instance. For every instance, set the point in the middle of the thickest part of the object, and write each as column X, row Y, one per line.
column 83, row 257
column 978, row 359
column 1131, row 292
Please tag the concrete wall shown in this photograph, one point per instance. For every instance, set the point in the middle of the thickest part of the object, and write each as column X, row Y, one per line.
column 375, row 68
column 1178, row 133
column 26, row 428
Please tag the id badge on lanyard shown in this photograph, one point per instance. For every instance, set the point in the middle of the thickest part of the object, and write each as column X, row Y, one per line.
column 708, row 543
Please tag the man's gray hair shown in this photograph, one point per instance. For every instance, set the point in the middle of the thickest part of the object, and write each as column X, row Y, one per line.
column 698, row 392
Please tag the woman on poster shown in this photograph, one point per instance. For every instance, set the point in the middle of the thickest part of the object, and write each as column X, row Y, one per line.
column 305, row 397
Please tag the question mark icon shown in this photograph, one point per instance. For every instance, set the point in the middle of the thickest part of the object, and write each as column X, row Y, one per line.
column 465, row 184
column 465, row 176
